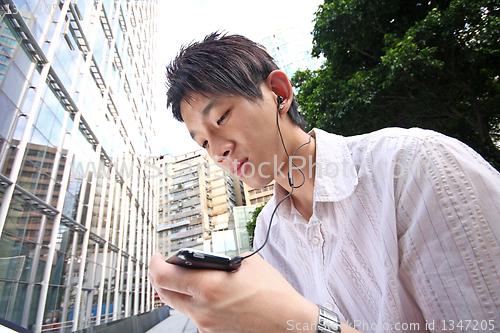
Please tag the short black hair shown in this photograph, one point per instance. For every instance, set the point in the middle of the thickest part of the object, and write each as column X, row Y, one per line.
column 221, row 65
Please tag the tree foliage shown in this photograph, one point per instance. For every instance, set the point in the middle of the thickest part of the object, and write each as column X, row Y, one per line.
column 253, row 222
column 407, row 63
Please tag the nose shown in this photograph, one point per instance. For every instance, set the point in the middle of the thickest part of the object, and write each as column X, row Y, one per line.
column 222, row 152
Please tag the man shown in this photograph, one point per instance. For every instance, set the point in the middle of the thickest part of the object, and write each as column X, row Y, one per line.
column 393, row 230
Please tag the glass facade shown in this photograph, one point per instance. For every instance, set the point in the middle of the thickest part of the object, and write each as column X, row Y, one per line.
column 77, row 194
column 242, row 215
column 291, row 49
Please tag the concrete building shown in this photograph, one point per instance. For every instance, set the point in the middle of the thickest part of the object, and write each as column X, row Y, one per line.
column 258, row 196
column 195, row 202
column 77, row 193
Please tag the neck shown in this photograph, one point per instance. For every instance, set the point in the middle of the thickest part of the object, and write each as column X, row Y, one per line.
column 303, row 182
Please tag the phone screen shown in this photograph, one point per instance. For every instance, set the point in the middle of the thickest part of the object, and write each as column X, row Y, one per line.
column 192, row 258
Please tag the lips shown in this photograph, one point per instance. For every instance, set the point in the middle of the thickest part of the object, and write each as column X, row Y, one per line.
column 240, row 168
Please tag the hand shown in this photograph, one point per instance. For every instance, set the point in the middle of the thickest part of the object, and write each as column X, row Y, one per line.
column 255, row 298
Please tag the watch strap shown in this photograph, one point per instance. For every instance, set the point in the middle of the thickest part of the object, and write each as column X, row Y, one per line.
column 328, row 321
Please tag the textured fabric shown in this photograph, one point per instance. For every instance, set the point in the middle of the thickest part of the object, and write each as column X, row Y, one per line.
column 404, row 234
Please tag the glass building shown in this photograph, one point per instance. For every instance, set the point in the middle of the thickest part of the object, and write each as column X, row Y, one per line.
column 291, row 49
column 242, row 215
column 77, row 193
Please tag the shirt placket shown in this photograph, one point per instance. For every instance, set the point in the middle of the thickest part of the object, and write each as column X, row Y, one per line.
column 316, row 244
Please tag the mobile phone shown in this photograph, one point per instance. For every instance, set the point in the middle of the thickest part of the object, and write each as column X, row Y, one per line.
column 192, row 258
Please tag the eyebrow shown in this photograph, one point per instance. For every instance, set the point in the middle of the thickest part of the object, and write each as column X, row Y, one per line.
column 206, row 111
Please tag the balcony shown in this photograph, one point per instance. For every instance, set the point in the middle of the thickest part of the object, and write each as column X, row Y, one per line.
column 197, row 242
column 185, row 214
column 187, row 233
column 184, row 193
column 173, row 225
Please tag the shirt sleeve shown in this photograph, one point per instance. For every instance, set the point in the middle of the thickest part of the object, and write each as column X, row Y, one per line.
column 448, row 221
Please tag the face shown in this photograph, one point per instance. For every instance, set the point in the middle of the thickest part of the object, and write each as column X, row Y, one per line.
column 240, row 135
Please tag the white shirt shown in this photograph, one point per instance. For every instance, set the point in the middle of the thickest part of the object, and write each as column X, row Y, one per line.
column 404, row 234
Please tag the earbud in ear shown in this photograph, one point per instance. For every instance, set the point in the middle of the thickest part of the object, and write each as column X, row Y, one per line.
column 280, row 100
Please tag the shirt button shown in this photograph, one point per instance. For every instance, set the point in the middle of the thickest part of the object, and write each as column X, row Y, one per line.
column 315, row 240
column 329, row 306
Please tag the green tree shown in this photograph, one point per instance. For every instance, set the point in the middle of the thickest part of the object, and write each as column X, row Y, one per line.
column 253, row 222
column 407, row 63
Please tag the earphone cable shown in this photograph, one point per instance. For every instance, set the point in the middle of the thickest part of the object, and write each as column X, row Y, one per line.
column 290, row 179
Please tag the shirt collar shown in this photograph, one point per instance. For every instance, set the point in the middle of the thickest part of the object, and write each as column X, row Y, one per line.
column 336, row 176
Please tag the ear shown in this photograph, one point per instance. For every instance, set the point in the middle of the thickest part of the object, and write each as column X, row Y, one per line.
column 281, row 86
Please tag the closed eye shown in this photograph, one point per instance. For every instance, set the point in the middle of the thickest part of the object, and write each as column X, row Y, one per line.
column 221, row 119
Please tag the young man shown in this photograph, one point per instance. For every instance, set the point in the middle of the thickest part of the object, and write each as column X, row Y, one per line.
column 396, row 230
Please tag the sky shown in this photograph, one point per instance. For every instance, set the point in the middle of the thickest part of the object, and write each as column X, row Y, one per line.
column 181, row 22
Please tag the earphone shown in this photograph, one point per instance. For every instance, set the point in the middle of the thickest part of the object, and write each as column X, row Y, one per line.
column 280, row 100
column 207, row 260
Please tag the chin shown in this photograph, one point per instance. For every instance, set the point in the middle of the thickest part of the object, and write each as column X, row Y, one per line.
column 257, row 182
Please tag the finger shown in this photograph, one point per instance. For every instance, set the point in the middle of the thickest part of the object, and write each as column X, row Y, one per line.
column 171, row 277
column 176, row 300
column 169, row 297
column 183, row 280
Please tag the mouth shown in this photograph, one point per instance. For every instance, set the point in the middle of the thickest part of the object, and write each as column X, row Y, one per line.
column 239, row 169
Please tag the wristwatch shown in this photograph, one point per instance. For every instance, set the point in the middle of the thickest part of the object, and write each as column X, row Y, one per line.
column 328, row 321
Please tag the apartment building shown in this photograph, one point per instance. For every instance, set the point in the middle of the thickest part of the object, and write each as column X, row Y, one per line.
column 77, row 191
column 258, row 196
column 195, row 201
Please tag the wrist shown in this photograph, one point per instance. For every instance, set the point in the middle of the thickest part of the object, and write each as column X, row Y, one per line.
column 305, row 318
